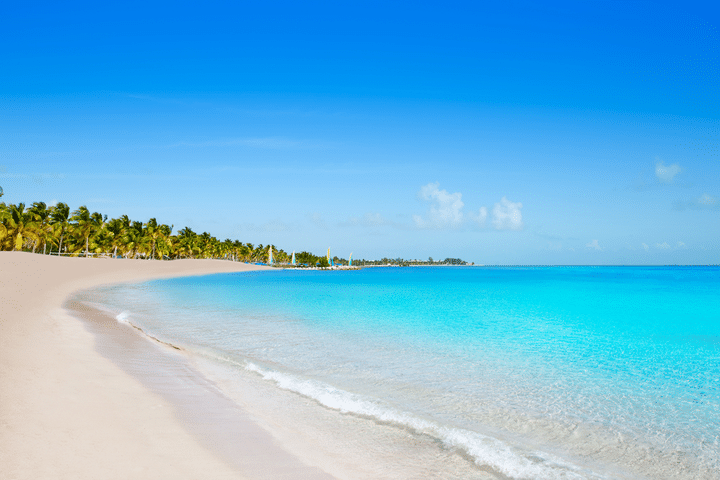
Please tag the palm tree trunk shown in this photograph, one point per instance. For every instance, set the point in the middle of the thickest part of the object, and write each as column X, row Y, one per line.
column 87, row 245
column 62, row 232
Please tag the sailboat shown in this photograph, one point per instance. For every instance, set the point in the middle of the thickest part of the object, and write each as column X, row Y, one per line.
column 329, row 260
column 270, row 259
column 293, row 258
column 350, row 260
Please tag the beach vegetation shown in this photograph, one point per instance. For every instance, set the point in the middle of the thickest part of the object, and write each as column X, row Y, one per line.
column 20, row 224
column 56, row 230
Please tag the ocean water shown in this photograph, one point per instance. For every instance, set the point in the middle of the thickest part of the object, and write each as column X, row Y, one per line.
column 538, row 373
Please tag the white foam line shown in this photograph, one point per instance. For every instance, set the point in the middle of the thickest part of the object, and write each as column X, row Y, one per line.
column 483, row 449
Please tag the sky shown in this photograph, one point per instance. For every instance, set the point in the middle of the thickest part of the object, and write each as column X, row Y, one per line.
column 496, row 132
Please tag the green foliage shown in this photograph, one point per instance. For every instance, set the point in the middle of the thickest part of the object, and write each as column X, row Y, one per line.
column 86, row 233
column 307, row 258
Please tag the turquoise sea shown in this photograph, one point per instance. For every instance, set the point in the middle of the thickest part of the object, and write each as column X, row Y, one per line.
column 544, row 372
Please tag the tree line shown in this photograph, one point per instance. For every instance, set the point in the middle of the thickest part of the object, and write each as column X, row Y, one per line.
column 56, row 230
column 401, row 262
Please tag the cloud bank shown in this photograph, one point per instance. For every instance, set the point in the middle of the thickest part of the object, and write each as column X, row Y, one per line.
column 445, row 208
column 666, row 173
column 507, row 215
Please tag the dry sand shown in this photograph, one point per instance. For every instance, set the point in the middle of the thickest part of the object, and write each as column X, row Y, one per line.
column 69, row 411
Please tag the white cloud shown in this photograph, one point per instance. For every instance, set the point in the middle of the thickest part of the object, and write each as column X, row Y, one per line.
column 666, row 173
column 445, row 208
column 507, row 215
column 703, row 202
column 663, row 246
column 594, row 244
column 680, row 244
column 707, row 200
column 646, row 247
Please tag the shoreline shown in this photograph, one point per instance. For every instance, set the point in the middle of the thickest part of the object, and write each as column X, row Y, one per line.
column 346, row 413
column 70, row 410
column 299, row 424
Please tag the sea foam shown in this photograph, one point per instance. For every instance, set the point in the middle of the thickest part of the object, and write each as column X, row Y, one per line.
column 484, row 450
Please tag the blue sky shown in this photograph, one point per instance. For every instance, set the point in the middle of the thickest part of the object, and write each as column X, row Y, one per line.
column 503, row 133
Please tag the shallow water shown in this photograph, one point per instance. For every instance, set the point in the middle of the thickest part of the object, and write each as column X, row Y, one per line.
column 557, row 372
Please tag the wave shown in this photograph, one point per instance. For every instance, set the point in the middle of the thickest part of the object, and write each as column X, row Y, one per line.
column 124, row 317
column 484, row 450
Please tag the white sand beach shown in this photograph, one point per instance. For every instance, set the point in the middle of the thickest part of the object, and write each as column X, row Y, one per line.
column 68, row 411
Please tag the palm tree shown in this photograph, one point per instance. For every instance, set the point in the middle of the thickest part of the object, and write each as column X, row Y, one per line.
column 87, row 224
column 248, row 252
column 187, row 243
column 3, row 229
column 164, row 240
column 282, row 256
column 260, row 253
column 59, row 219
column 4, row 216
column 101, row 242
column 155, row 234
column 20, row 224
column 227, row 248
column 42, row 217
column 116, row 229
column 133, row 238
column 205, row 242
